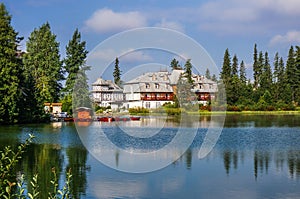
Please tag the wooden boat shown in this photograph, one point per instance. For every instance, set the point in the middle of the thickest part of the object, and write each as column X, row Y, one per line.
column 69, row 119
column 122, row 118
column 135, row 118
column 106, row 119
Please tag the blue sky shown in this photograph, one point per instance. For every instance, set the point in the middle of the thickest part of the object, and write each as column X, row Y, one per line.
column 235, row 24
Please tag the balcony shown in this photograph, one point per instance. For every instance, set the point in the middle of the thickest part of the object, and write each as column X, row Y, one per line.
column 157, row 97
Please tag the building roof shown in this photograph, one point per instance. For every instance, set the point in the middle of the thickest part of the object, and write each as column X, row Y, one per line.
column 111, row 86
column 151, row 77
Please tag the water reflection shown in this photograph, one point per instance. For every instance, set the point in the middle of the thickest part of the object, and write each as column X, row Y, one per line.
column 256, row 156
column 55, row 147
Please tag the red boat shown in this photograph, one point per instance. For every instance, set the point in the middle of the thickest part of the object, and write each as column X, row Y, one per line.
column 106, row 119
column 135, row 118
column 69, row 119
column 122, row 118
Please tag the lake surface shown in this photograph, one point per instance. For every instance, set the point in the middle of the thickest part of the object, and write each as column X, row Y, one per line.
column 256, row 156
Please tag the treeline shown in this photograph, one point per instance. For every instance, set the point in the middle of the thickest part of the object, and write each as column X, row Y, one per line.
column 31, row 78
column 272, row 88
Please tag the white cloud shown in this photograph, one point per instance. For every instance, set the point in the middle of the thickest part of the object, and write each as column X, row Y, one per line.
column 288, row 38
column 170, row 24
column 106, row 20
column 248, row 17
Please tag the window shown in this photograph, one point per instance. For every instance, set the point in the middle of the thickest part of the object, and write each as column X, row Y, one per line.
column 147, row 85
column 157, row 86
column 147, row 104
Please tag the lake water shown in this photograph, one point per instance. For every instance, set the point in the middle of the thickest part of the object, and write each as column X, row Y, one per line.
column 256, row 156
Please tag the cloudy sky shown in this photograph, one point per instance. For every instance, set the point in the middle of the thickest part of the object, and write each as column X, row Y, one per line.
column 219, row 24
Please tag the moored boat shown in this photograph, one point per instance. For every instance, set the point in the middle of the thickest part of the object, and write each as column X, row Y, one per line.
column 135, row 118
column 106, row 119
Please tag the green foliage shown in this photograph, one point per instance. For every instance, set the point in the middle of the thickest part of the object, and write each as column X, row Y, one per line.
column 42, row 63
column 76, row 54
column 67, row 104
column 207, row 74
column 226, row 68
column 11, row 187
column 175, row 64
column 80, row 97
column 10, row 70
column 188, row 71
column 138, row 110
column 244, row 95
column 117, row 73
column 8, row 161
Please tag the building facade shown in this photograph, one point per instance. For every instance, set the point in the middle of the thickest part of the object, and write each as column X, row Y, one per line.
column 106, row 93
column 150, row 90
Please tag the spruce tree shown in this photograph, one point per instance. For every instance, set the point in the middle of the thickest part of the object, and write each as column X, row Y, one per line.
column 76, row 54
column 188, row 71
column 260, row 65
column 243, row 77
column 256, row 71
column 214, row 78
column 117, row 73
column 297, row 66
column 174, row 64
column 226, row 68
column 266, row 76
column 276, row 67
column 207, row 74
column 80, row 95
column 10, row 70
column 234, row 65
column 291, row 72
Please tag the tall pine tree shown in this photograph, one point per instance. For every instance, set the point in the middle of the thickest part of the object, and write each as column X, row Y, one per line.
column 188, row 71
column 242, row 71
column 235, row 64
column 75, row 60
column 256, row 70
column 291, row 71
column 117, row 73
column 226, row 68
column 76, row 54
column 10, row 70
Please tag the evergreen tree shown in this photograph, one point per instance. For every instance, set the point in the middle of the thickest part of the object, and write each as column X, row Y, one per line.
column 10, row 70
column 81, row 93
column 283, row 92
column 226, row 68
column 243, row 77
column 297, row 66
column 256, row 71
column 266, row 77
column 276, row 67
column 291, row 71
column 260, row 65
column 117, row 73
column 76, row 54
column 175, row 64
column 43, row 62
column 214, row 78
column 188, row 71
column 207, row 74
column 234, row 66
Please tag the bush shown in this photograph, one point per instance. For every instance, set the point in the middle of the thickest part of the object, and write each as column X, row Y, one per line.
column 138, row 110
column 10, row 187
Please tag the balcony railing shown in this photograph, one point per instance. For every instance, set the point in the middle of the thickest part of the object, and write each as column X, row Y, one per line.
column 157, row 97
